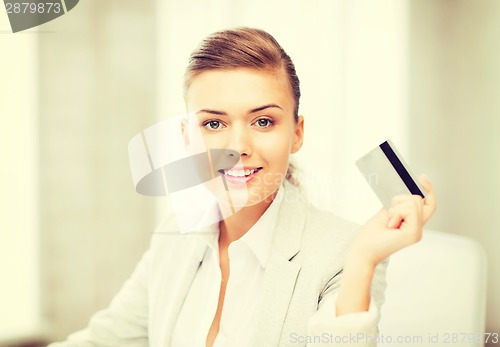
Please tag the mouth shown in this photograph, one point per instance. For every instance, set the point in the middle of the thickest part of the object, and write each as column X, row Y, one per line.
column 239, row 175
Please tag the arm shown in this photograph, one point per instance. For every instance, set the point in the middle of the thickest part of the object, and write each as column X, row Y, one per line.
column 354, row 329
column 348, row 313
column 386, row 233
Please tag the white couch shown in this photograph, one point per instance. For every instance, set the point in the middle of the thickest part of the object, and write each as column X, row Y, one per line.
column 436, row 294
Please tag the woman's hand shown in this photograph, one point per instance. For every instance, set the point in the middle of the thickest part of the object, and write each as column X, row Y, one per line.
column 389, row 231
column 384, row 234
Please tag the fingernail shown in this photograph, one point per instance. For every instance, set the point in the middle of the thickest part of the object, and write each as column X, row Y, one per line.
column 425, row 177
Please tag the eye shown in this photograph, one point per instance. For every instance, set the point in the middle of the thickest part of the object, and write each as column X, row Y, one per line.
column 264, row 122
column 212, row 125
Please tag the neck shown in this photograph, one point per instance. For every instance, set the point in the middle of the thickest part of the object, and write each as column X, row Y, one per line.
column 237, row 225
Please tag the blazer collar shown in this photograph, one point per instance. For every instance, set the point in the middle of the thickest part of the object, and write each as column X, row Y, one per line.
column 281, row 273
column 260, row 236
column 287, row 238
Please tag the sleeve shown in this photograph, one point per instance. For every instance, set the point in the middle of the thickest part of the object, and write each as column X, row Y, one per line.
column 125, row 322
column 353, row 329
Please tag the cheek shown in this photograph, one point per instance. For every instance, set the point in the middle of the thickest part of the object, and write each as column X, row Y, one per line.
column 276, row 149
column 280, row 141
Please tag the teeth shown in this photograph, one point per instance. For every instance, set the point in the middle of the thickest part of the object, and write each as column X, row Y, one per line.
column 239, row 173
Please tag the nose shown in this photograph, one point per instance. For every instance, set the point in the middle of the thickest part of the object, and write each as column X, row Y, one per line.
column 240, row 140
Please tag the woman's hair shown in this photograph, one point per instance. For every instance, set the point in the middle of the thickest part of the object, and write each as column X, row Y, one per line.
column 244, row 48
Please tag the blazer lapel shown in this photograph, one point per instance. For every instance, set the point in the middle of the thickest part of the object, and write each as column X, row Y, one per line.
column 280, row 273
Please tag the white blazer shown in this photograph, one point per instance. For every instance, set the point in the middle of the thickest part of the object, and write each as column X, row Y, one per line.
column 297, row 307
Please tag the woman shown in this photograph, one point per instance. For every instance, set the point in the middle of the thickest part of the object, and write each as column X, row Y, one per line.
column 275, row 271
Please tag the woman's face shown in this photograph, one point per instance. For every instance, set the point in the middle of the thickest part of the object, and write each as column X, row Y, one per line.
column 251, row 112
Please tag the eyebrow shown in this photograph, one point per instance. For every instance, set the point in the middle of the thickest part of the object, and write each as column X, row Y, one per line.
column 257, row 109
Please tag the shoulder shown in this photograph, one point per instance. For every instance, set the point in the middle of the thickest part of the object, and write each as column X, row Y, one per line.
column 320, row 227
column 323, row 221
column 320, row 237
column 325, row 241
column 169, row 244
column 326, row 235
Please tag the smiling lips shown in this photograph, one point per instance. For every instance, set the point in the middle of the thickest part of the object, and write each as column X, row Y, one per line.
column 239, row 176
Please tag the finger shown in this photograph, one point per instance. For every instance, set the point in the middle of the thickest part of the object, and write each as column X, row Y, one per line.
column 407, row 215
column 381, row 218
column 394, row 221
column 404, row 198
column 430, row 198
column 397, row 216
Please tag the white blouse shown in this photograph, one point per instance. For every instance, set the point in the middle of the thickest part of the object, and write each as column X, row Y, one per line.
column 247, row 261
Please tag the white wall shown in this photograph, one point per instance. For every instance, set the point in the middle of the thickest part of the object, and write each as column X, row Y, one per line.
column 455, row 121
column 97, row 90
column 19, row 229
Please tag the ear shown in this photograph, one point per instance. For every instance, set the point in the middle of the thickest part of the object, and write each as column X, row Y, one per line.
column 185, row 133
column 298, row 138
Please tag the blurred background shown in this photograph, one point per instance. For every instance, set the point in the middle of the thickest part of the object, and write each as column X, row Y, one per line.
column 74, row 91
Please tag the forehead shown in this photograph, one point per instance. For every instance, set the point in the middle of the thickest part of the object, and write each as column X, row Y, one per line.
column 239, row 88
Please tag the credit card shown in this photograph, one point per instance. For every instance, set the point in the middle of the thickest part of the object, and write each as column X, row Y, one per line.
column 388, row 174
